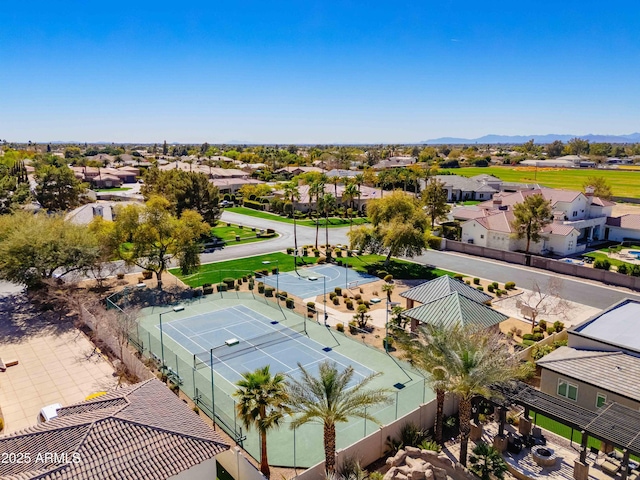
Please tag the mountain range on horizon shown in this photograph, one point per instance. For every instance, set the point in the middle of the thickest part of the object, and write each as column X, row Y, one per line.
column 548, row 138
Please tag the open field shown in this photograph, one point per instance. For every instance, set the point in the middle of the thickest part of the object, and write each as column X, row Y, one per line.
column 333, row 221
column 228, row 234
column 624, row 183
column 214, row 272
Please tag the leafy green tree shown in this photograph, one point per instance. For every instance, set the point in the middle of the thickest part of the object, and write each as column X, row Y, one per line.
column 151, row 236
column 434, row 197
column 487, row 462
column 262, row 403
column 34, row 247
column 72, row 152
column 398, row 227
column 14, row 187
column 185, row 191
column 57, row 188
column 328, row 399
column 601, row 188
column 600, row 149
column 530, row 217
column 555, row 149
column 577, row 146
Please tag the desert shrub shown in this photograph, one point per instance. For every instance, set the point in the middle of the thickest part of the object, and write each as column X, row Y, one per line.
column 230, row 282
column 316, row 252
column 338, row 290
column 480, row 288
column 430, row 445
column 623, row 269
column 510, row 285
column 499, row 293
column 207, row 290
column 468, row 282
column 222, row 287
column 332, row 295
column 388, row 278
column 496, row 285
column 290, row 303
column 260, row 287
column 196, row 409
column 543, row 325
column 349, row 303
column 338, row 253
column 476, row 281
column 311, row 306
column 458, row 276
column 336, row 300
column 528, row 343
column 322, row 260
column 120, row 276
column 353, row 328
column 559, row 326
column 268, row 291
column 551, row 330
column 357, row 296
column 340, row 327
column 387, row 342
column 289, row 250
column 382, row 273
column 539, row 351
column 538, row 336
column 147, row 275
column 434, row 242
column 490, row 288
column 527, row 336
column 367, row 303
column 537, row 329
column 345, row 295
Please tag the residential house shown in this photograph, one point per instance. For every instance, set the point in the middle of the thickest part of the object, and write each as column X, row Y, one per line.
column 623, row 228
column 339, row 172
column 395, row 162
column 107, row 177
column 292, row 171
column 140, row 431
column 305, row 203
column 579, row 218
column 460, row 188
column 601, row 362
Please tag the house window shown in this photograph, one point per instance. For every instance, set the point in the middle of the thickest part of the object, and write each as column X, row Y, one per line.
column 567, row 390
column 600, row 399
column 481, row 236
column 575, row 213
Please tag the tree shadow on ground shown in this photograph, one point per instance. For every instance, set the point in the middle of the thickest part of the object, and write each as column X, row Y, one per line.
column 23, row 316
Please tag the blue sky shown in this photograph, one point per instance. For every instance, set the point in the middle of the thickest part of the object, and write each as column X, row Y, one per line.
column 316, row 71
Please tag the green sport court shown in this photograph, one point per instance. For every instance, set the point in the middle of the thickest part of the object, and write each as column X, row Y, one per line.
column 219, row 337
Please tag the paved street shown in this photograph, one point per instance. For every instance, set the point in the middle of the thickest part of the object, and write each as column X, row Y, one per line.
column 580, row 291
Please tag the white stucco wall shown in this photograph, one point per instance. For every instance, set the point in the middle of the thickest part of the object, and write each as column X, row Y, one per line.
column 203, row 471
column 617, row 234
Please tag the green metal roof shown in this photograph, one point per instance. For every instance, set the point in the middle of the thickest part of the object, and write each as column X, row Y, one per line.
column 455, row 309
column 440, row 287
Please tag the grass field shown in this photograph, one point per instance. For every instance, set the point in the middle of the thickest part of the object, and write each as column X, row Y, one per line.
column 228, row 235
column 333, row 221
column 214, row 272
column 623, row 183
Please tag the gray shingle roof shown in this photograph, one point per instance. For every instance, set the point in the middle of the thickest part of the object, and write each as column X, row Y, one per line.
column 143, row 431
column 615, row 372
column 453, row 310
column 442, row 286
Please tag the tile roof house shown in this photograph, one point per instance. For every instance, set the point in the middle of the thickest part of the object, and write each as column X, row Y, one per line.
column 305, row 203
column 143, row 431
column 601, row 362
column 292, row 171
column 579, row 218
column 462, row 188
column 446, row 301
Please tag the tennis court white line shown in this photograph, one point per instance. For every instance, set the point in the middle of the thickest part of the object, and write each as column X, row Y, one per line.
column 188, row 338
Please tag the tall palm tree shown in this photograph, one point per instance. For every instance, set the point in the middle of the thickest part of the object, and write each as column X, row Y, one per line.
column 349, row 194
column 327, row 399
column 476, row 362
column 262, row 403
column 329, row 204
column 316, row 190
column 292, row 193
column 335, row 180
column 388, row 289
column 429, row 352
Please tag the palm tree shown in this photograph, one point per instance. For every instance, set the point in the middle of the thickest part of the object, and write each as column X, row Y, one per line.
column 329, row 204
column 316, row 189
column 335, row 181
column 429, row 353
column 327, row 399
column 475, row 362
column 349, row 194
column 262, row 403
column 292, row 193
column 388, row 289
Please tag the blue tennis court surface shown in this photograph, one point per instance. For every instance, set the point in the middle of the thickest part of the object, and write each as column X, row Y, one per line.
column 261, row 341
column 300, row 285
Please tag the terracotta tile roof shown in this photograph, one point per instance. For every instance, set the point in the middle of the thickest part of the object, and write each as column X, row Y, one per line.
column 558, row 229
column 468, row 213
column 630, row 221
column 142, row 431
column 498, row 222
column 602, row 202
column 552, row 194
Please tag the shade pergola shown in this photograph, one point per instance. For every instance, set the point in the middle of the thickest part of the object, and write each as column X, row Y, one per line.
column 613, row 423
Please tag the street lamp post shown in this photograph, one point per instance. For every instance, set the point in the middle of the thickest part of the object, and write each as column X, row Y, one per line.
column 386, row 325
column 268, row 262
column 174, row 309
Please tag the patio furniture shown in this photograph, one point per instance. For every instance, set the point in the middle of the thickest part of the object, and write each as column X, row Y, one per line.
column 612, row 464
column 514, row 444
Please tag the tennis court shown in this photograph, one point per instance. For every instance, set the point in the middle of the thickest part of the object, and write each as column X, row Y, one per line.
column 311, row 281
column 239, row 339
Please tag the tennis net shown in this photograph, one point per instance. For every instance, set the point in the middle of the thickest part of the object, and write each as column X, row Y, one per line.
column 225, row 352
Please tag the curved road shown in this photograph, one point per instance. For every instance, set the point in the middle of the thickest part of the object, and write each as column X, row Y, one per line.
column 586, row 292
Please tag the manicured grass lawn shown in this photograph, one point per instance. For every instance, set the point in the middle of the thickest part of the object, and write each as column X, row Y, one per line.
column 623, row 183
column 228, row 235
column 115, row 189
column 471, row 202
column 603, row 256
column 214, row 272
column 333, row 221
